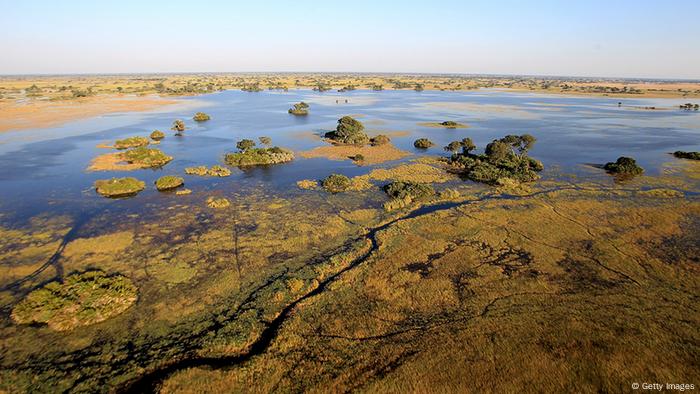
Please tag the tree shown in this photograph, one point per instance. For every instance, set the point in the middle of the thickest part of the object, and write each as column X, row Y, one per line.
column 453, row 146
column 265, row 140
column 467, row 145
column 423, row 143
column 348, row 131
column 498, row 150
column 245, row 144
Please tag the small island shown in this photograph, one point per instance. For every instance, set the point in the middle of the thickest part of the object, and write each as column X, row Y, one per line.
column 348, row 131
column 423, row 143
column 248, row 155
column 119, row 187
column 200, row 117
column 687, row 155
column 169, row 182
column 131, row 142
column 299, row 109
column 146, row 157
column 624, row 166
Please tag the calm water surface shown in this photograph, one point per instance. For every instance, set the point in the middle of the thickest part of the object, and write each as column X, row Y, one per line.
column 43, row 170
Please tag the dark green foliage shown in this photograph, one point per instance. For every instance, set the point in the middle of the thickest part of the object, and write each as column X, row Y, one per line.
column 687, row 155
column 419, row 87
column 258, row 156
column 265, row 140
column 245, row 144
column 690, row 106
column 408, row 190
column 423, row 143
column 358, row 157
column 449, row 123
column 499, row 161
column 453, row 146
column 381, row 139
column 336, row 183
column 348, row 131
column 201, row 117
column 624, row 166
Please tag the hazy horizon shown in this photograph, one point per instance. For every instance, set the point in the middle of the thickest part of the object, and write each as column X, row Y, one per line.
column 628, row 39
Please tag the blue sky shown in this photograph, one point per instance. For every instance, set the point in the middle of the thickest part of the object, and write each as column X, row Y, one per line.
column 625, row 38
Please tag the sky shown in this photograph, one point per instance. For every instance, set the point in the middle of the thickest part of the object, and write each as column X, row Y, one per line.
column 612, row 38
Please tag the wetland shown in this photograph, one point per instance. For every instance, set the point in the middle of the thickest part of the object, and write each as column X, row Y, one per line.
column 372, row 240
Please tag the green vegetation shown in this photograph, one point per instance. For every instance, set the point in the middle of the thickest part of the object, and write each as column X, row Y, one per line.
column 505, row 158
column 213, row 202
column 119, row 187
column 258, row 156
column 687, row 155
column 169, row 182
column 349, row 131
column 402, row 194
column 215, row 170
column 178, row 126
column 358, row 157
column 245, row 144
column 449, row 124
column 157, row 135
column 131, row 142
column 80, row 300
column 423, row 143
column 200, row 117
column 624, row 166
column 146, row 157
column 336, row 183
column 299, row 109
column 265, row 141
column 380, row 139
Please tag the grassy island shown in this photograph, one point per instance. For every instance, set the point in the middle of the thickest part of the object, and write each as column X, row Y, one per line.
column 157, row 135
column 119, row 187
column 423, row 143
column 336, row 183
column 687, row 155
column 505, row 158
column 299, row 109
column 169, row 182
column 348, row 131
column 200, row 117
column 131, row 142
column 624, row 166
column 146, row 157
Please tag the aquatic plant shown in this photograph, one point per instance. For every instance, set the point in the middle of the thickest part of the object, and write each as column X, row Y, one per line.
column 245, row 144
column 623, row 166
column 178, row 126
column 157, row 135
column 265, row 140
column 380, row 139
column 336, row 183
column 146, row 157
column 259, row 156
column 119, row 187
column 131, row 142
column 213, row 202
column 169, row 182
column 200, row 117
column 423, row 143
column 687, row 155
column 80, row 300
column 348, row 131
column 299, row 109
column 307, row 184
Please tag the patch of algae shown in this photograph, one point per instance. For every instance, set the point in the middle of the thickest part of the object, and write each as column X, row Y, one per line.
column 591, row 284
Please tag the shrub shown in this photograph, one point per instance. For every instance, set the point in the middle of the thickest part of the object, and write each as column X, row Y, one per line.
column 213, row 202
column 265, row 140
column 687, row 155
column 449, row 124
column 200, row 117
column 131, row 142
column 245, row 144
column 157, row 135
column 358, row 157
column 336, row 183
column 178, row 126
column 423, row 143
column 119, row 187
column 146, row 157
column 169, row 182
column 299, row 109
column 348, row 131
column 412, row 190
column 381, row 139
column 624, row 166
column 259, row 156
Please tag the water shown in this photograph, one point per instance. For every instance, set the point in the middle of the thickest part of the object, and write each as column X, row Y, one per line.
column 43, row 170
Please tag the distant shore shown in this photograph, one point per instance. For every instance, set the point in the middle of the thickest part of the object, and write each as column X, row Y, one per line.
column 28, row 102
